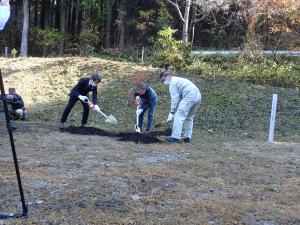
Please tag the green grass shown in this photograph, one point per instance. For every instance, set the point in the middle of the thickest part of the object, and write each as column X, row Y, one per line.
column 258, row 70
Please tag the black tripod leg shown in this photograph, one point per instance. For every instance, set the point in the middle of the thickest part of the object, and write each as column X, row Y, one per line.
column 10, row 129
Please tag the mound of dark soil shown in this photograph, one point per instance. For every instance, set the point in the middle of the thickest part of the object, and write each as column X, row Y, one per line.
column 143, row 138
column 88, row 131
column 138, row 138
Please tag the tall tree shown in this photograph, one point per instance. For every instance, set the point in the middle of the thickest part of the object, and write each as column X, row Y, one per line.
column 183, row 17
column 78, row 16
column 62, row 26
column 121, row 21
column 201, row 9
column 45, row 8
column 109, row 24
column 24, row 42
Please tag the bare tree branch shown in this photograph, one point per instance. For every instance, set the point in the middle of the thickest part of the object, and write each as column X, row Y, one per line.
column 178, row 9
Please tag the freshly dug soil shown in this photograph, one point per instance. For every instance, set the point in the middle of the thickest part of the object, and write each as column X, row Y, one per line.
column 138, row 138
column 88, row 131
column 143, row 138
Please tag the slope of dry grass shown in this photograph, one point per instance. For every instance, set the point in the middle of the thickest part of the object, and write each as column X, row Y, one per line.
column 234, row 108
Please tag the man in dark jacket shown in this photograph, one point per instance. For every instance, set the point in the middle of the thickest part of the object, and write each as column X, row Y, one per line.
column 80, row 92
column 15, row 104
column 146, row 98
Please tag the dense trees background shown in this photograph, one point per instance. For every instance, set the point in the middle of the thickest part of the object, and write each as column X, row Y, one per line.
column 51, row 27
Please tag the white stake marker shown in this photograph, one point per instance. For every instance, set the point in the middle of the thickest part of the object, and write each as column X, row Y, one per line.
column 143, row 51
column 272, row 119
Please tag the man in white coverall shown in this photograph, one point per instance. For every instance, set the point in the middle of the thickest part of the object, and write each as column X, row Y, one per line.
column 188, row 96
column 4, row 12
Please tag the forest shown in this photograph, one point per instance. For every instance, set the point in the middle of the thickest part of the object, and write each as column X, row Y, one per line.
column 84, row 27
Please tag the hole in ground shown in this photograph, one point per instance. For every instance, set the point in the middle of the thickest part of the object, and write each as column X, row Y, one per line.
column 144, row 138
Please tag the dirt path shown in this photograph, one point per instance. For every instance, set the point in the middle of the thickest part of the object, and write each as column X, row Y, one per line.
column 87, row 179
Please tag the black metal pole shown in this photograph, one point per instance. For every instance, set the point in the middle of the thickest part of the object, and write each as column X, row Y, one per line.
column 10, row 129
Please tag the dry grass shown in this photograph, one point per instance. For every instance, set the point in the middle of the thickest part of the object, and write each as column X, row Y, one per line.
column 93, row 180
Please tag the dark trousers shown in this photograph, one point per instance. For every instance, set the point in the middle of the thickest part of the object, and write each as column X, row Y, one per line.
column 69, row 107
column 151, row 109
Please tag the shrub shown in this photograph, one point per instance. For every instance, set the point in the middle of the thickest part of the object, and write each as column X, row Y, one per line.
column 169, row 51
column 88, row 41
column 47, row 40
column 263, row 72
column 268, row 73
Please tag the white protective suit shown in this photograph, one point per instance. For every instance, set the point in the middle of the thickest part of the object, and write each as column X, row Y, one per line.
column 188, row 94
column 4, row 13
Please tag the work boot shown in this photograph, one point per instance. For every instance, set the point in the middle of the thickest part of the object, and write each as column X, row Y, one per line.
column 187, row 140
column 172, row 140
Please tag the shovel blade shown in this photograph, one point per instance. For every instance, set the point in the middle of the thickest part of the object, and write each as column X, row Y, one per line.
column 137, row 129
column 112, row 120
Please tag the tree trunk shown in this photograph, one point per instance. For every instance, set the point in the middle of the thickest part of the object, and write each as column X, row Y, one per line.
column 52, row 14
column 121, row 24
column 184, row 18
column 71, row 16
column 77, row 17
column 62, row 24
column 185, row 27
column 24, row 43
column 101, row 16
column 74, row 17
column 80, row 22
column 108, row 24
column 57, row 15
column 45, row 14
column 36, row 6
column 45, row 20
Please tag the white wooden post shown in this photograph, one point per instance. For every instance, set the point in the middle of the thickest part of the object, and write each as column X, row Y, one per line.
column 6, row 52
column 272, row 119
column 143, row 51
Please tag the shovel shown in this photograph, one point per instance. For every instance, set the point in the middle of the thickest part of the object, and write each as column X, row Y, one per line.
column 109, row 119
column 138, row 112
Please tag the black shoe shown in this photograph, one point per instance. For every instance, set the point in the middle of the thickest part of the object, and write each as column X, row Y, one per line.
column 172, row 140
column 187, row 140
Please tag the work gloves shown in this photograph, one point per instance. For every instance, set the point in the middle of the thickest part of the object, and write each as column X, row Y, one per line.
column 95, row 108
column 83, row 98
column 170, row 117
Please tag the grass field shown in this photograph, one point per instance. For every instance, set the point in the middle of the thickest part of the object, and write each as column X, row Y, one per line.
column 228, row 175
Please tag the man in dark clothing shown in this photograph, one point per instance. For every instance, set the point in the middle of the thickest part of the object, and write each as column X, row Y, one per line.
column 80, row 92
column 15, row 104
column 146, row 98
